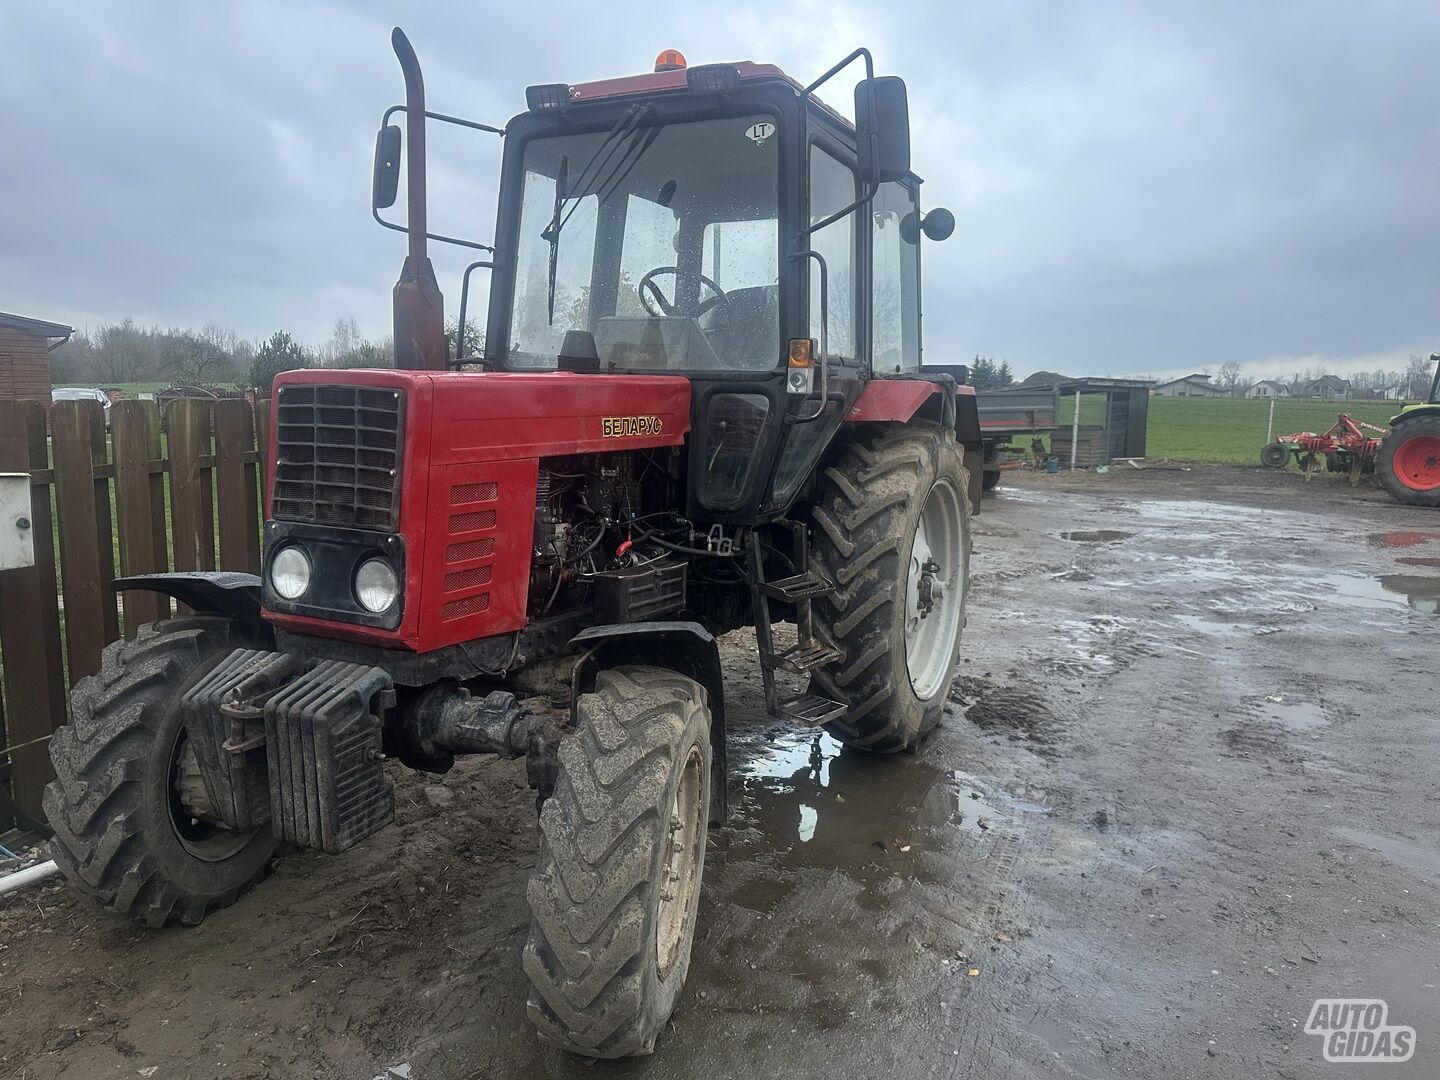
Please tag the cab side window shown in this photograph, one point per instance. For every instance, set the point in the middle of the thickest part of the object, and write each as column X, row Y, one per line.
column 895, row 279
column 832, row 188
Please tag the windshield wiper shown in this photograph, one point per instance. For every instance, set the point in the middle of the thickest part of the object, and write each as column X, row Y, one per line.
column 614, row 139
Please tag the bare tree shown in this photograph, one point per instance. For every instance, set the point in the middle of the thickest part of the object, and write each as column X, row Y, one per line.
column 1418, row 375
column 1229, row 375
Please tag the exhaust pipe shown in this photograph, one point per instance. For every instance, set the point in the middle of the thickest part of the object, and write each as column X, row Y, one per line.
column 418, row 305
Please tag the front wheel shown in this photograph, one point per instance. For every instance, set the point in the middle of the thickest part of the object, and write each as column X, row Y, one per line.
column 893, row 534
column 617, row 885
column 129, row 810
column 1409, row 461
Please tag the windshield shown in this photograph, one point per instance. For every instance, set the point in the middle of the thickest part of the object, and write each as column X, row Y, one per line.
column 663, row 244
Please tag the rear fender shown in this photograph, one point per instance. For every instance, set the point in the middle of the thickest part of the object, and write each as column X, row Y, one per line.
column 1415, row 412
column 926, row 396
column 686, row 647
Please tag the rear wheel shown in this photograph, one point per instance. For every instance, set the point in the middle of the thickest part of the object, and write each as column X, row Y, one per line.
column 1409, row 461
column 1276, row 455
column 991, row 479
column 617, row 885
column 893, row 533
column 127, row 804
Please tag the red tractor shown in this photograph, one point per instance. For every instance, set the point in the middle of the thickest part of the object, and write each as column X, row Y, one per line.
column 699, row 406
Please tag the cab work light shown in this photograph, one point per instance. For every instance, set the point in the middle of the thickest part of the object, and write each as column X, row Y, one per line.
column 547, row 96
column 713, row 79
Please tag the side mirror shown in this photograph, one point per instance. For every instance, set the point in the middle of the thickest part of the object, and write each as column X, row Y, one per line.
column 882, row 128
column 938, row 224
column 387, row 167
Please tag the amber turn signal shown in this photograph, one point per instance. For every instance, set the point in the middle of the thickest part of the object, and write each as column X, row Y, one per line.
column 802, row 352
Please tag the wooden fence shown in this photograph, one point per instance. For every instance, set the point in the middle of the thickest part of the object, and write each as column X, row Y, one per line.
column 141, row 498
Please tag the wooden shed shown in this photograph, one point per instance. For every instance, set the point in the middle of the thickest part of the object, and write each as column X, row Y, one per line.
column 25, row 346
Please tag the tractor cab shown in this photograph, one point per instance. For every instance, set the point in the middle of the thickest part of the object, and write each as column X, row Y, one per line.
column 719, row 223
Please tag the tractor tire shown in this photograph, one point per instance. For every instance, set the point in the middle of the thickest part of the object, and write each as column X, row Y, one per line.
column 1409, row 461
column 622, row 850
column 123, row 836
column 884, row 497
column 1275, row 455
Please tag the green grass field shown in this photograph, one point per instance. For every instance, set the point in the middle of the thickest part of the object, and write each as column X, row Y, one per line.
column 1222, row 429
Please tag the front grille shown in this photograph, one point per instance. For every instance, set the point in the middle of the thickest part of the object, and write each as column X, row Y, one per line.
column 338, row 456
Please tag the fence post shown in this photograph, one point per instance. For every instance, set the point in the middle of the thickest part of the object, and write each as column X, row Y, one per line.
column 192, row 526
column 235, row 486
column 34, row 689
column 1075, row 431
column 87, row 556
column 139, row 504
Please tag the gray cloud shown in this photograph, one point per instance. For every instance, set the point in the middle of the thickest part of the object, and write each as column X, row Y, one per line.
column 1139, row 188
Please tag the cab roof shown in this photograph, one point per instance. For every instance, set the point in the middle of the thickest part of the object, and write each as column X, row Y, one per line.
column 675, row 80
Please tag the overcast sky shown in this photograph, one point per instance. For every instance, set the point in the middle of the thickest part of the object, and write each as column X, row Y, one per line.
column 1139, row 189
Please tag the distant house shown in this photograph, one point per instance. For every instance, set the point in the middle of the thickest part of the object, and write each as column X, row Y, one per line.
column 1328, row 388
column 1189, row 386
column 1267, row 388
column 25, row 357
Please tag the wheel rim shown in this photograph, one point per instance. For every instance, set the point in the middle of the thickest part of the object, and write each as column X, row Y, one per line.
column 1417, row 462
column 680, row 871
column 188, row 801
column 934, row 591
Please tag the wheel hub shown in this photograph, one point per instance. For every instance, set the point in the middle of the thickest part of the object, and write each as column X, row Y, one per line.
column 1417, row 462
column 931, row 588
column 192, row 816
column 190, row 787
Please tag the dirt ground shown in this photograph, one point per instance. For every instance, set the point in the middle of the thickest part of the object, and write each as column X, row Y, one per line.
column 1185, row 788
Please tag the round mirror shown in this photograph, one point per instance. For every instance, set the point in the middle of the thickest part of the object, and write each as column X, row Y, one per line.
column 938, row 223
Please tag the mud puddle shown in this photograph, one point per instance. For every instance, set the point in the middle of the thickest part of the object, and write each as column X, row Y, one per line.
column 1386, row 591
column 871, row 816
column 1096, row 536
column 1422, row 860
column 1293, row 713
column 1402, row 538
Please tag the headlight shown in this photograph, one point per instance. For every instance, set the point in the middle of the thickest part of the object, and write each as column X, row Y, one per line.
column 375, row 585
column 290, row 572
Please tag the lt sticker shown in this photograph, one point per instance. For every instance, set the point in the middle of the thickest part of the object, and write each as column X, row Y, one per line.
column 758, row 133
column 616, row 427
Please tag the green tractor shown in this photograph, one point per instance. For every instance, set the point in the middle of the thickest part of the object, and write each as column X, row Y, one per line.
column 1409, row 458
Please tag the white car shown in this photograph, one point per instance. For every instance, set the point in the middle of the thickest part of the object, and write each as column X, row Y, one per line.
column 82, row 393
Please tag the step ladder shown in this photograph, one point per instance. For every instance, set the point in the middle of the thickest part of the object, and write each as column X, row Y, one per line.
column 808, row 653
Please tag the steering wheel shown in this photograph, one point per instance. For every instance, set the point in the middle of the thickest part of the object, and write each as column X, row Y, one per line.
column 648, row 289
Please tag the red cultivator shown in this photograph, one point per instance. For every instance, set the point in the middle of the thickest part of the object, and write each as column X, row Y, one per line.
column 1345, row 447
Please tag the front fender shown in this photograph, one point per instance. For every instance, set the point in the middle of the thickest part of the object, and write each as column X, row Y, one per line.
column 226, row 592
column 686, row 647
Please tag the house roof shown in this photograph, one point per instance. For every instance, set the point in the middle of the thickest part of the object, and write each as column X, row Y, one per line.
column 1045, row 378
column 38, row 327
column 1267, row 382
column 1331, row 380
column 1197, row 377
